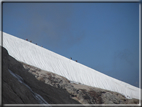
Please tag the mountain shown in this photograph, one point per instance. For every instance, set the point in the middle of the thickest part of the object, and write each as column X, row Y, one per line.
column 52, row 88
column 34, row 75
column 15, row 92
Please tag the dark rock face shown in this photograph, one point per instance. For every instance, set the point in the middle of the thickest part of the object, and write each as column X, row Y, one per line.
column 14, row 92
column 91, row 95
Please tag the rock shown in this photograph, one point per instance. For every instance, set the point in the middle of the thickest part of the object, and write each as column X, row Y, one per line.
column 54, row 88
column 109, row 98
column 132, row 101
column 15, row 92
column 79, row 92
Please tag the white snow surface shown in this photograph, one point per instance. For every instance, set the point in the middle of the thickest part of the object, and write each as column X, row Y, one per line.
column 47, row 60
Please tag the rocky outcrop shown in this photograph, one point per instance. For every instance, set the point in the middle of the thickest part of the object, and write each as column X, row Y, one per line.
column 79, row 92
column 12, row 91
column 15, row 92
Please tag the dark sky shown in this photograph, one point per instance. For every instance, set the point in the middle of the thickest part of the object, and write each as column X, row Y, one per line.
column 103, row 36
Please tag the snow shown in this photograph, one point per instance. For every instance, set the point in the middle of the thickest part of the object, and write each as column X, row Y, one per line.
column 47, row 60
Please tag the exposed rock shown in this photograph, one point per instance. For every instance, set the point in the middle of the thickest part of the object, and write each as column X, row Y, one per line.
column 14, row 92
column 54, row 88
column 82, row 93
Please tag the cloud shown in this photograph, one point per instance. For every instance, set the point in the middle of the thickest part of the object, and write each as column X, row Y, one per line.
column 51, row 24
column 123, row 57
column 126, row 55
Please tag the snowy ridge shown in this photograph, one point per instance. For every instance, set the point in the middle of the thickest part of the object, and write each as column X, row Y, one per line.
column 47, row 60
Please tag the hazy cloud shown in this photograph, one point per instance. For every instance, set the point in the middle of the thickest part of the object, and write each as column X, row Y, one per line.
column 49, row 23
column 126, row 55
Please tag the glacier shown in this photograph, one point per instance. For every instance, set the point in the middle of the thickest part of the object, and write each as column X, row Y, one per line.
column 32, row 54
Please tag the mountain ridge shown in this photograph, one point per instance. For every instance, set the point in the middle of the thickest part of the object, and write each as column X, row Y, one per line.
column 44, row 59
column 54, row 91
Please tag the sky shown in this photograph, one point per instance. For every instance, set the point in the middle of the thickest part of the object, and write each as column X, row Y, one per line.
column 103, row 36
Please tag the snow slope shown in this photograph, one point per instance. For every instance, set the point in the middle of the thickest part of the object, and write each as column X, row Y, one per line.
column 42, row 58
